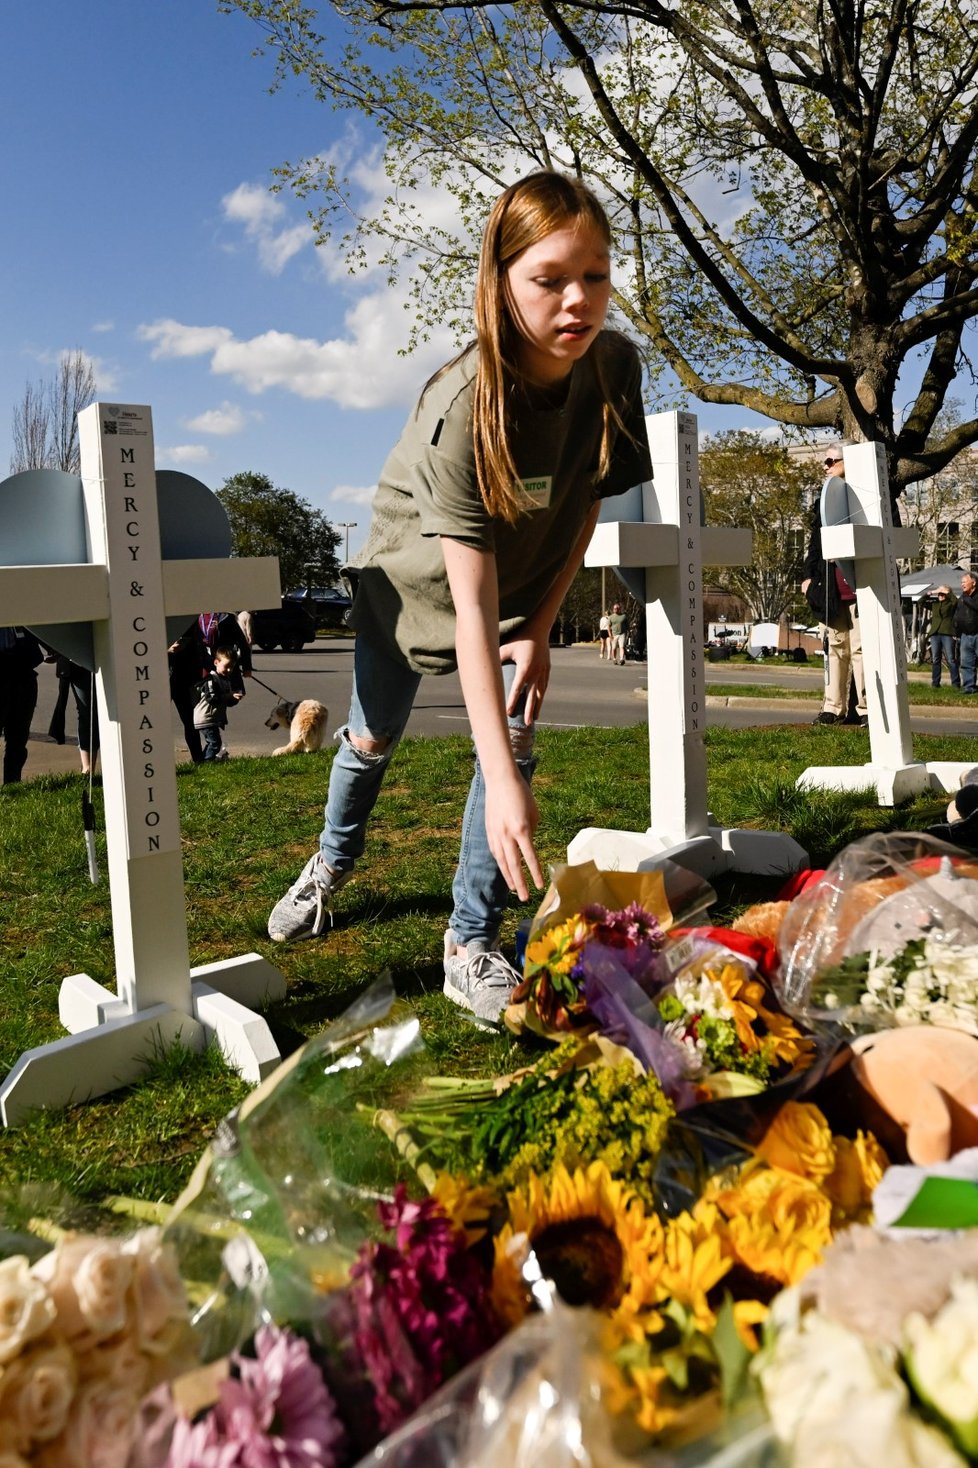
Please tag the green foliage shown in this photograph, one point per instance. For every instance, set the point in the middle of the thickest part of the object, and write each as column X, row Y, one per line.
column 793, row 187
column 266, row 521
column 755, row 484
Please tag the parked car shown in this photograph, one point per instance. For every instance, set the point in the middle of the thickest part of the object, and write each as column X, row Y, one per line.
column 289, row 627
column 327, row 605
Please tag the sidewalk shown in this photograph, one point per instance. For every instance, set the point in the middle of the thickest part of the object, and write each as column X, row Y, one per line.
column 963, row 713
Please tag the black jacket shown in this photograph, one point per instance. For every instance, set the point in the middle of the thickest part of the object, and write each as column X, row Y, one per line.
column 823, row 592
column 966, row 614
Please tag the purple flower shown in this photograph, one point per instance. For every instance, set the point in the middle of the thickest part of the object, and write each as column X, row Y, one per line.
column 275, row 1411
column 634, row 934
column 622, row 1011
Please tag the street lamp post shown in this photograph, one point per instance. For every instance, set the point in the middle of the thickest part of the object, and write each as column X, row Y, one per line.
column 346, row 525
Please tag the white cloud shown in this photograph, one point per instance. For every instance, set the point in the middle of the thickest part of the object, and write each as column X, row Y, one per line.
column 359, row 370
column 104, row 326
column 222, row 421
column 349, row 494
column 264, row 218
column 171, row 339
column 184, row 453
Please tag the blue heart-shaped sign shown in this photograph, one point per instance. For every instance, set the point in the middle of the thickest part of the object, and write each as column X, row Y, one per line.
column 42, row 523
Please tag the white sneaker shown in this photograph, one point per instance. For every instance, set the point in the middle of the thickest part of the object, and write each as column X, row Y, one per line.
column 303, row 911
column 481, row 981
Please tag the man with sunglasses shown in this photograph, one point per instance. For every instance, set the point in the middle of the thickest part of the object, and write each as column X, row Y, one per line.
column 833, row 601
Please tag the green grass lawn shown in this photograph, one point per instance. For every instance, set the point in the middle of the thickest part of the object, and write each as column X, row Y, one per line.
column 249, row 826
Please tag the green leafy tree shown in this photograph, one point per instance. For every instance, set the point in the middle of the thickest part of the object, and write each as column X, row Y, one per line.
column 266, row 521
column 751, row 483
column 794, row 187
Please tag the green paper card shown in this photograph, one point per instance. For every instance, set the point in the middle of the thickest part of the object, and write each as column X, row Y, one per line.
column 942, row 1202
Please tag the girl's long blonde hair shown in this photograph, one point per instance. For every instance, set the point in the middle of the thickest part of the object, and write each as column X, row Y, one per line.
column 526, row 213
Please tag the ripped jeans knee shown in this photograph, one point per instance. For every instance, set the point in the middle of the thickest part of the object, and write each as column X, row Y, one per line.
column 359, row 744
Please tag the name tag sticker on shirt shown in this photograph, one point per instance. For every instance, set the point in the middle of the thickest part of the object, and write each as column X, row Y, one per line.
column 539, row 490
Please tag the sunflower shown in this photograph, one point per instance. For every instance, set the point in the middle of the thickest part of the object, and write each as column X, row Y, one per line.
column 466, row 1205
column 557, row 949
column 591, row 1236
column 697, row 1256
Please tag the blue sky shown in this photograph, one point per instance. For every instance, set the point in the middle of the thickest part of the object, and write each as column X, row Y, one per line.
column 140, row 139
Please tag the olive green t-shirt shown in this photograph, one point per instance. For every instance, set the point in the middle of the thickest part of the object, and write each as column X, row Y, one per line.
column 428, row 489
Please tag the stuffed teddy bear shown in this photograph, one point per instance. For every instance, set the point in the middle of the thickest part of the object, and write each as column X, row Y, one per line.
column 926, row 1078
column 961, row 826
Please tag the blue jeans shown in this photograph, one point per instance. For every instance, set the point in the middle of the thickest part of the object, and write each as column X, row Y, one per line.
column 211, row 741
column 942, row 642
column 383, row 695
column 968, row 647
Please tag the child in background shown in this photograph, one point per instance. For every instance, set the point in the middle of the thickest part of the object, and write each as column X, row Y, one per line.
column 215, row 695
column 483, row 512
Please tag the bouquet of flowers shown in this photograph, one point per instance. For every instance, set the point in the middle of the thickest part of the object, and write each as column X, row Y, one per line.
column 692, row 1004
column 85, row 1332
column 930, row 980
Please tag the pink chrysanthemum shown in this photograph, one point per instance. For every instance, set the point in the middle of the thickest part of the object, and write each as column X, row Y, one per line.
column 275, row 1411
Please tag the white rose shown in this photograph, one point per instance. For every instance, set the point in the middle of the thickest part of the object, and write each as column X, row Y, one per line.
column 26, row 1308
column 119, row 1361
column 942, row 1360
column 159, row 1293
column 100, row 1430
column 89, row 1279
column 836, row 1399
column 36, row 1392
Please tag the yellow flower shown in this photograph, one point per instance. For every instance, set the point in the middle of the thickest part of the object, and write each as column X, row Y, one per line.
column 557, row 948
column 592, row 1237
column 746, row 996
column 799, row 1141
column 859, row 1165
column 697, row 1256
column 778, row 1224
column 466, row 1205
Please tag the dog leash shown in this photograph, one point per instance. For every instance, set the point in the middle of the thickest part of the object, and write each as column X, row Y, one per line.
column 257, row 680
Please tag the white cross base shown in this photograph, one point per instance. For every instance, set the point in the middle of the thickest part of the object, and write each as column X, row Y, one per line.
column 659, row 532
column 874, row 544
column 126, row 591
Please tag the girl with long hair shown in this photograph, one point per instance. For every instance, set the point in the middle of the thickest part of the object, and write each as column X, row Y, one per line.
column 482, row 516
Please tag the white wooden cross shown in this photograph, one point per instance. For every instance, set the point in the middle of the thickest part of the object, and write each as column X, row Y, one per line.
column 125, row 590
column 660, row 531
column 873, row 543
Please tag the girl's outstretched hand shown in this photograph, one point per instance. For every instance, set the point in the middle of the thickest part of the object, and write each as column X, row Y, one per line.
column 511, row 819
column 531, row 654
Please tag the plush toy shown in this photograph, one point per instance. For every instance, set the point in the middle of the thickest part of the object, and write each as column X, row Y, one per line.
column 961, row 826
column 926, row 1078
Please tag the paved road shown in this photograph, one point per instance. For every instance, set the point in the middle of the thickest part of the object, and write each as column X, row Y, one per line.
column 583, row 690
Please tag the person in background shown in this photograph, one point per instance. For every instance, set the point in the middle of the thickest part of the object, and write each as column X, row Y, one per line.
column 80, row 683
column 616, row 625
column 941, row 633
column 192, row 658
column 833, row 601
column 215, row 695
column 604, row 637
column 483, row 513
column 20, row 654
column 966, row 626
